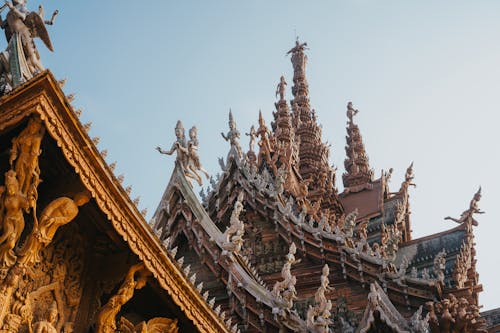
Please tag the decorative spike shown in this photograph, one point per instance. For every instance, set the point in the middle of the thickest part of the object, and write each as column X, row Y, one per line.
column 136, row 201
column 180, row 261
column 62, row 82
column 187, row 269
column 78, row 112
column 87, row 126
column 217, row 310
column 112, row 166
column 212, row 302
column 228, row 322
column 120, row 178
column 128, row 189
column 199, row 287
column 205, row 295
column 96, row 140
column 166, row 242
column 104, row 153
column 223, row 315
column 70, row 97
column 144, row 212
column 234, row 329
column 192, row 279
column 173, row 252
column 358, row 170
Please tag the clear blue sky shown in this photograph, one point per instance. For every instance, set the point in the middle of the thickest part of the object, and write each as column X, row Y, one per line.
column 425, row 76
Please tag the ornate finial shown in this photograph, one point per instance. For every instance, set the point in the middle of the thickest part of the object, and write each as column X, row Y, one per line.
column 78, row 112
column 233, row 137
column 104, row 153
column 23, row 57
column 178, row 146
column 285, row 289
column 358, row 174
column 96, row 140
column 468, row 215
column 70, row 97
column 318, row 317
column 87, row 126
column 62, row 83
column 234, row 233
column 112, row 166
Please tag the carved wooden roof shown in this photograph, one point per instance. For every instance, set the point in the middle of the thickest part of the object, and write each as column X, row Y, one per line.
column 42, row 96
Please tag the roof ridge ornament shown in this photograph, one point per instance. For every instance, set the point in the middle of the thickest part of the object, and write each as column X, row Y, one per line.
column 233, row 137
column 358, row 175
column 187, row 153
column 21, row 60
column 468, row 215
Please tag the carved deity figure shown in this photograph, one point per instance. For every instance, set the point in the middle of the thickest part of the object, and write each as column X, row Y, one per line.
column 351, row 112
column 12, row 221
column 440, row 265
column 25, row 152
column 49, row 325
column 265, row 140
column 232, row 137
column 288, row 282
column 408, row 180
column 299, row 59
column 280, row 88
column 136, row 278
column 253, row 137
column 59, row 212
column 21, row 60
column 468, row 215
column 193, row 160
column 182, row 157
column 348, row 227
column 234, row 233
column 318, row 316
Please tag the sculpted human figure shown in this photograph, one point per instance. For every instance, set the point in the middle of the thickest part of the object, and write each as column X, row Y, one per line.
column 193, row 160
column 59, row 212
column 469, row 213
column 24, row 152
column 351, row 112
column 253, row 136
column 13, row 220
column 136, row 278
column 234, row 233
column 280, row 88
column 233, row 136
column 265, row 140
column 180, row 141
column 48, row 325
column 21, row 27
column 286, row 273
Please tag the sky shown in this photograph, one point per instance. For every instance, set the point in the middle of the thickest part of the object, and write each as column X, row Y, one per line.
column 425, row 76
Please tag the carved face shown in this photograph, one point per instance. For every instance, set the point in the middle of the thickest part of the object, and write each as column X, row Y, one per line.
column 193, row 132
column 11, row 183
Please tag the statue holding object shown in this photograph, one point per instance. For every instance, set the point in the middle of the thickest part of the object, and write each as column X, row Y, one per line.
column 21, row 60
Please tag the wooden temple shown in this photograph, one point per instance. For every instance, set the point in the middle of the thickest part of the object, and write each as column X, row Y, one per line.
column 279, row 249
column 272, row 246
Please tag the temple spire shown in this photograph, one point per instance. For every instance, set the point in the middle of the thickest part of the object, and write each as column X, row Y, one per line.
column 313, row 153
column 358, row 172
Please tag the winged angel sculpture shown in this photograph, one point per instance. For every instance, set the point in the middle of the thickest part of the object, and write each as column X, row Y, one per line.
column 21, row 60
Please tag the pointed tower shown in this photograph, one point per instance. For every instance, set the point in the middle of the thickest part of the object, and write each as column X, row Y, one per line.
column 358, row 173
column 313, row 154
column 284, row 132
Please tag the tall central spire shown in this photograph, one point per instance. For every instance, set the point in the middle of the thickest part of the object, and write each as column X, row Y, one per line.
column 313, row 153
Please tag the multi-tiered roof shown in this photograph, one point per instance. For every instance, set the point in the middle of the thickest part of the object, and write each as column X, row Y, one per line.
column 279, row 249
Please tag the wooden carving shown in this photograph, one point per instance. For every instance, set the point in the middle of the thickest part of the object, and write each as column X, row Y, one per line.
column 59, row 212
column 12, row 219
column 136, row 278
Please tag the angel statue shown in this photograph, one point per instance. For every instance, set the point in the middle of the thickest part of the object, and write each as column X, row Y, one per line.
column 21, row 60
